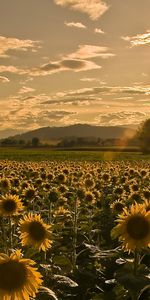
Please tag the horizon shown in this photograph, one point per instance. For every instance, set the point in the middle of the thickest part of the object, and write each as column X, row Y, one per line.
column 67, row 62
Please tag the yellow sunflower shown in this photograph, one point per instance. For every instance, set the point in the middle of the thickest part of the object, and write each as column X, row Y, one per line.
column 117, row 206
column 19, row 279
column 34, row 232
column 10, row 205
column 133, row 228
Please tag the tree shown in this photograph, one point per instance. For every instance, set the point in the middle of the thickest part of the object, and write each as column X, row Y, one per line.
column 35, row 141
column 144, row 136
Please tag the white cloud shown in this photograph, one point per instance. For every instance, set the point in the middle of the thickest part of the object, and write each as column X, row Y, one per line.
column 8, row 43
column 92, row 79
column 93, row 8
column 76, row 25
column 139, row 39
column 99, row 30
column 91, row 51
column 12, row 69
column 26, row 89
column 4, row 79
column 121, row 118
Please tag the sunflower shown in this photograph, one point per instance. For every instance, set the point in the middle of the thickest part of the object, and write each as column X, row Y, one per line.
column 10, row 205
column 19, row 279
column 34, row 232
column 61, row 212
column 5, row 184
column 117, row 206
column 133, row 228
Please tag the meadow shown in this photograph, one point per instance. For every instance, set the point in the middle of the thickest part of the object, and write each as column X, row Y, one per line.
column 81, row 217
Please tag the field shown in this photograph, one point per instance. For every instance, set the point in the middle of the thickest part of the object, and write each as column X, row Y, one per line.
column 80, row 155
column 82, row 216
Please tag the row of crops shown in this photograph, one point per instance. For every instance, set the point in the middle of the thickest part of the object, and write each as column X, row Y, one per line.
column 74, row 230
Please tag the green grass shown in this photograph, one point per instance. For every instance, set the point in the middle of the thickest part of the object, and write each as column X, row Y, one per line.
column 46, row 154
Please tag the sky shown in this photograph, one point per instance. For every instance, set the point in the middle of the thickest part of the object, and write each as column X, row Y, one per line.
column 64, row 62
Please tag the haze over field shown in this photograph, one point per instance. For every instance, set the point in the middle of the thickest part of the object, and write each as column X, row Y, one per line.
column 65, row 62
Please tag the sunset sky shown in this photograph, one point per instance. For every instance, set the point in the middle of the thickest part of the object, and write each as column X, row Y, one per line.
column 73, row 61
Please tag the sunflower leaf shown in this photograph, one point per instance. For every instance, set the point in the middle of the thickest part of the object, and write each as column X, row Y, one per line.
column 64, row 281
column 46, row 294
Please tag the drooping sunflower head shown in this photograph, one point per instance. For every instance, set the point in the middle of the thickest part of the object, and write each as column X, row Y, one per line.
column 10, row 205
column 34, row 232
column 133, row 228
column 19, row 279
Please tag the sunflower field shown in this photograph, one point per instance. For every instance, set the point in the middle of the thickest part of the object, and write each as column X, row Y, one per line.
column 74, row 230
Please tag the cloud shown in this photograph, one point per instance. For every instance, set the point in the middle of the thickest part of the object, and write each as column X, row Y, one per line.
column 121, row 118
column 93, row 8
column 4, row 79
column 7, row 43
column 99, row 30
column 26, row 89
column 91, row 51
column 13, row 69
column 76, row 61
column 139, row 39
column 92, row 79
column 75, row 65
column 76, row 25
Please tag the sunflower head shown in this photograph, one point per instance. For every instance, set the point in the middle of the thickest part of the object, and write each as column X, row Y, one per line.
column 29, row 193
column 117, row 206
column 5, row 184
column 34, row 232
column 10, row 205
column 89, row 183
column 18, row 278
column 133, row 228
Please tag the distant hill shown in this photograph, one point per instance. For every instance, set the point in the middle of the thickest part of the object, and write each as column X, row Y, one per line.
column 77, row 130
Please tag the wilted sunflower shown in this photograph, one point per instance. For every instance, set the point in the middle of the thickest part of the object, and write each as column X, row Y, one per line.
column 18, row 278
column 133, row 228
column 34, row 232
column 10, row 205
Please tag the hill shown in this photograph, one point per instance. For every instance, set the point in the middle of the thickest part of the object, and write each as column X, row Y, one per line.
column 77, row 130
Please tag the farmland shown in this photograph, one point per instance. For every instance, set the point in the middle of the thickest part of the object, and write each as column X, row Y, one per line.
column 60, row 208
column 40, row 154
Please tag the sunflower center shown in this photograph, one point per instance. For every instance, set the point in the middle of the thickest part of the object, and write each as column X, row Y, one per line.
column 13, row 275
column 118, row 207
column 9, row 205
column 37, row 231
column 138, row 227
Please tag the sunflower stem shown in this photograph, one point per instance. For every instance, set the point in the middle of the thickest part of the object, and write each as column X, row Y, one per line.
column 10, row 233
column 136, row 262
column 50, row 212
